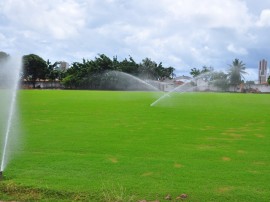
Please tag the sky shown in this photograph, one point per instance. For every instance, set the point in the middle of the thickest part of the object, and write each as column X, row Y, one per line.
column 183, row 34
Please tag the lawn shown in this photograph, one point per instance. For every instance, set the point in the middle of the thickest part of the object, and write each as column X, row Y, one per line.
column 112, row 146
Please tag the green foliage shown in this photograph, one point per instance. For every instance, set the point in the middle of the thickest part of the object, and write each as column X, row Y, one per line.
column 112, row 145
column 71, row 81
column 92, row 74
column 268, row 80
column 196, row 72
column 127, row 65
column 220, row 80
column 147, row 68
column 206, row 69
column 34, row 68
column 53, row 73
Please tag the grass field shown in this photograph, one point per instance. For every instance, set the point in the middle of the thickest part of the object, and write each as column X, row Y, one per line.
column 112, row 146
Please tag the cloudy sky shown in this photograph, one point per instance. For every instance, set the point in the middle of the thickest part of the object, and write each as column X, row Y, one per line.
column 179, row 33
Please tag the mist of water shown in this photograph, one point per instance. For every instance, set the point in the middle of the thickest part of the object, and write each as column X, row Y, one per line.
column 9, row 84
column 186, row 87
column 122, row 80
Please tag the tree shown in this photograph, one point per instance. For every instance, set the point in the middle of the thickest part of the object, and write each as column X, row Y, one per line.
column 52, row 73
column 75, row 76
column 268, row 80
column 104, row 73
column 71, row 81
column 219, row 79
column 128, row 66
column 34, row 68
column 147, row 69
column 195, row 72
column 201, row 74
column 103, row 63
column 236, row 71
column 168, row 73
column 206, row 69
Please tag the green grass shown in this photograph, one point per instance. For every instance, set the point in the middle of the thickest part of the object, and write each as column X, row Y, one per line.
column 112, row 146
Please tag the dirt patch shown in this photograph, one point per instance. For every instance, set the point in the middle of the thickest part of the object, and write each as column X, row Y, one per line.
column 208, row 128
column 241, row 152
column 113, row 160
column 254, row 171
column 234, row 136
column 220, row 138
column 259, row 136
column 231, row 130
column 245, row 129
column 206, row 147
column 242, row 132
column 240, row 129
column 30, row 194
column 147, row 174
column 225, row 189
column 235, row 133
column 225, row 158
column 178, row 165
column 261, row 163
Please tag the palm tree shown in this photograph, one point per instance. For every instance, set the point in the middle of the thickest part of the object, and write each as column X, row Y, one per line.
column 236, row 71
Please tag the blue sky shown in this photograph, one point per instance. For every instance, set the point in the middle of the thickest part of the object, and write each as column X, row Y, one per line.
column 180, row 33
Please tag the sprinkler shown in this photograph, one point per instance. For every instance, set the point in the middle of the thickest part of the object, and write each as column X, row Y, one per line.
column 1, row 175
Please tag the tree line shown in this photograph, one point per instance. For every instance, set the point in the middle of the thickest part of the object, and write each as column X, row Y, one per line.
column 94, row 74
column 90, row 74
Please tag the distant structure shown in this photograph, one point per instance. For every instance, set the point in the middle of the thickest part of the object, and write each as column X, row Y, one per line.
column 182, row 79
column 62, row 65
column 262, row 71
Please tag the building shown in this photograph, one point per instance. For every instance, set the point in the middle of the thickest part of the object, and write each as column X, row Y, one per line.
column 62, row 66
column 182, row 79
column 262, row 72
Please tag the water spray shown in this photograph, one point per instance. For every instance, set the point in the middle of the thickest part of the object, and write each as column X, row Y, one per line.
column 9, row 124
column 181, row 88
column 169, row 95
column 145, row 84
column 10, row 75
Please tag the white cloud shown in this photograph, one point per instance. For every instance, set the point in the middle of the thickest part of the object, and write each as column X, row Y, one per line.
column 179, row 33
column 252, row 74
column 2, row 37
column 237, row 50
column 60, row 19
column 210, row 14
column 264, row 20
column 6, row 42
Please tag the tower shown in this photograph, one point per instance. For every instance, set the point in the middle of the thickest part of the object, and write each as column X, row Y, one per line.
column 262, row 71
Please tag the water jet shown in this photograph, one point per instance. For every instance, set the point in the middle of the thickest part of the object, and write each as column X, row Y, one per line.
column 186, row 87
column 9, row 83
column 124, row 81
